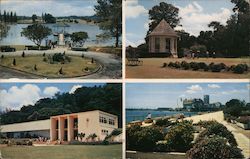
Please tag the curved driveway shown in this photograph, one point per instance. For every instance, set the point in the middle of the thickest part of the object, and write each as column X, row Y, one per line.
column 112, row 65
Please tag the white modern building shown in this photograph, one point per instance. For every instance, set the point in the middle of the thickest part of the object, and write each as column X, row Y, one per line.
column 66, row 127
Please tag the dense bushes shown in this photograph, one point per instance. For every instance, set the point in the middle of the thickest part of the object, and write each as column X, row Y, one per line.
column 218, row 129
column 180, row 137
column 143, row 139
column 163, row 122
column 213, row 148
column 214, row 142
column 239, row 69
column 19, row 142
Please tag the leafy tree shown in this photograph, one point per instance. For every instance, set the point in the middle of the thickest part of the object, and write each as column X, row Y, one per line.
column 4, row 17
column 36, row 33
column 79, row 37
column 34, row 17
column 234, row 107
column 15, row 17
column 109, row 13
column 214, row 147
column 163, row 11
column 48, row 18
column 11, row 17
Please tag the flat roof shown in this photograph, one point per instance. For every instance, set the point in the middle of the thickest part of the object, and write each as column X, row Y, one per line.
column 27, row 126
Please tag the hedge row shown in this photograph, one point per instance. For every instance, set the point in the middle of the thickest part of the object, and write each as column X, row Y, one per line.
column 195, row 66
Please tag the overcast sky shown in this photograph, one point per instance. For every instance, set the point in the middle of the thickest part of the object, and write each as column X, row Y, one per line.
column 195, row 14
column 54, row 7
column 154, row 95
column 15, row 95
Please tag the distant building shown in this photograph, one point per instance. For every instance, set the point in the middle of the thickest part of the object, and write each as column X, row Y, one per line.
column 191, row 104
column 206, row 99
column 65, row 127
column 163, row 39
column 200, row 105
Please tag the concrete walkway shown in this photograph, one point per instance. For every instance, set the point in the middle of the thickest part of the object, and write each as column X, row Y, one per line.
column 242, row 141
column 112, row 65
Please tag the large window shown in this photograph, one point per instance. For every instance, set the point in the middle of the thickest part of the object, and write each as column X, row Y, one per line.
column 75, row 122
column 157, row 44
column 102, row 119
column 111, row 121
column 167, row 45
column 65, row 123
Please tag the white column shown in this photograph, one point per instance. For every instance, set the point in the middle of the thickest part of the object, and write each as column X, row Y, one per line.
column 52, row 129
column 61, row 129
column 70, row 128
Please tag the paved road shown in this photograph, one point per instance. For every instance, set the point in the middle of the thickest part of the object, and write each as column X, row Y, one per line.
column 112, row 65
column 242, row 140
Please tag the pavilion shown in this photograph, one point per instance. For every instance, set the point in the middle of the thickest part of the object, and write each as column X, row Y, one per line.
column 163, row 39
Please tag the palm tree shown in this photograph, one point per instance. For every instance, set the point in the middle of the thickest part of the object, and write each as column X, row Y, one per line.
column 81, row 136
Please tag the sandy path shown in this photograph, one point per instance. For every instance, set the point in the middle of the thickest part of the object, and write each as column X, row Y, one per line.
column 242, row 140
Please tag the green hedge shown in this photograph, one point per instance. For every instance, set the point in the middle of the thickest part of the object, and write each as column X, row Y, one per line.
column 195, row 66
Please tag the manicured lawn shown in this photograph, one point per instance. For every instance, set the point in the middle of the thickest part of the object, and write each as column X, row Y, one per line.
column 63, row 152
column 74, row 68
column 151, row 68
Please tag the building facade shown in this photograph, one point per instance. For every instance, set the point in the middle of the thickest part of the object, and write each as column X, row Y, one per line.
column 163, row 39
column 66, row 127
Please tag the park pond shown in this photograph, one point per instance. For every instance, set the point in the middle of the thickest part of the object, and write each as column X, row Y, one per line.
column 14, row 34
column 133, row 115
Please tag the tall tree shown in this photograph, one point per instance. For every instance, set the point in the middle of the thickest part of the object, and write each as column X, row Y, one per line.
column 7, row 17
column 1, row 17
column 15, row 17
column 163, row 11
column 36, row 33
column 34, row 17
column 4, row 17
column 48, row 18
column 79, row 37
column 109, row 13
column 11, row 16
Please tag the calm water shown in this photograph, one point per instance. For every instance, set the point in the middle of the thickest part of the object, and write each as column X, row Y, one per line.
column 132, row 115
column 14, row 35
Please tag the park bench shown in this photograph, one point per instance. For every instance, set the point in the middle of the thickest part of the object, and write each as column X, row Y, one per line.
column 134, row 61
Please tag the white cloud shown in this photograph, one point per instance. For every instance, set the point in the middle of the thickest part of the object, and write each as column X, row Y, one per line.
column 74, row 88
column 213, row 86
column 50, row 91
column 194, row 89
column 134, row 10
column 15, row 97
column 194, row 19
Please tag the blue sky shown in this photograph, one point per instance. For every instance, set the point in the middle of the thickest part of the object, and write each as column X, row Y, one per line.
column 15, row 95
column 196, row 15
column 154, row 95
column 54, row 7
